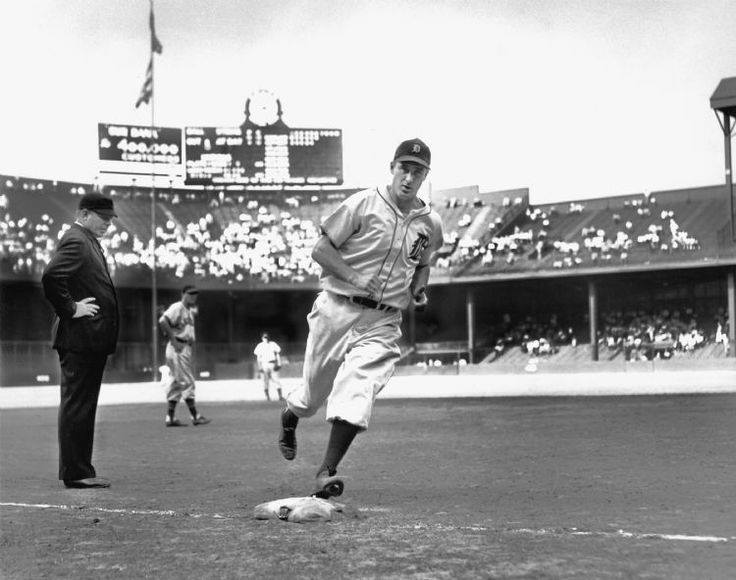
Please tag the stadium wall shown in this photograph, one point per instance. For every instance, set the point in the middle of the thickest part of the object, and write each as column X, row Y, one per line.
column 231, row 321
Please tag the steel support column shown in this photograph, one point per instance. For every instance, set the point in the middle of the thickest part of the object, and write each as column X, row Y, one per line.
column 593, row 318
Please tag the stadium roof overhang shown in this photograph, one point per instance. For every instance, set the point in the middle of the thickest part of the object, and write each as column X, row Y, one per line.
column 581, row 272
column 724, row 97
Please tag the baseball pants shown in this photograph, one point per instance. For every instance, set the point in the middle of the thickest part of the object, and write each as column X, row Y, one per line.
column 269, row 373
column 181, row 380
column 350, row 356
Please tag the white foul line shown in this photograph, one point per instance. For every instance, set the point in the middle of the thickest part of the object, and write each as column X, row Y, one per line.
column 113, row 510
column 623, row 534
column 576, row 532
column 474, row 528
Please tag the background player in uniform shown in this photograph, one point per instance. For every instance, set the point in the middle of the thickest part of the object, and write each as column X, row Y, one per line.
column 268, row 358
column 374, row 252
column 177, row 323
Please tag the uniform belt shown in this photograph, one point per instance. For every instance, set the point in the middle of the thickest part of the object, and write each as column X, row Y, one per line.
column 368, row 303
column 181, row 340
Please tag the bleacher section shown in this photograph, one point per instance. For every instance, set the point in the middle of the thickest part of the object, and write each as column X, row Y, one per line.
column 222, row 237
column 270, row 233
column 636, row 230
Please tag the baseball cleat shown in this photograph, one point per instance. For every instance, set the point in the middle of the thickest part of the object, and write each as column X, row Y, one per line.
column 201, row 420
column 328, row 486
column 174, row 423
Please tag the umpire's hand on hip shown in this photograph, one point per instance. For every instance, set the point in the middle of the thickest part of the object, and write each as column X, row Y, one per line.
column 86, row 307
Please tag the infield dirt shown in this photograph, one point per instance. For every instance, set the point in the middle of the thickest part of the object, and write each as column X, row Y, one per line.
column 445, row 488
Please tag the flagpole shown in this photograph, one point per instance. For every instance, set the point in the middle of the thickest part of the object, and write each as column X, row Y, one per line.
column 154, row 288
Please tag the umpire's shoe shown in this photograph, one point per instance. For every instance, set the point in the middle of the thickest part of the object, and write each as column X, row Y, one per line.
column 86, row 483
column 287, row 437
column 328, row 486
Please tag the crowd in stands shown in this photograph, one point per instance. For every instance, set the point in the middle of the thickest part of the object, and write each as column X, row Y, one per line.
column 642, row 335
column 227, row 237
column 638, row 334
column 464, row 243
column 638, row 224
column 25, row 244
column 532, row 336
column 234, row 236
column 440, row 361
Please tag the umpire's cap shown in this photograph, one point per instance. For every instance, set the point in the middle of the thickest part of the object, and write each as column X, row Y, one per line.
column 189, row 289
column 98, row 203
column 413, row 151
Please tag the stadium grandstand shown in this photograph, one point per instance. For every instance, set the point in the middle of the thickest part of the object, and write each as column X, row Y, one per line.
column 631, row 277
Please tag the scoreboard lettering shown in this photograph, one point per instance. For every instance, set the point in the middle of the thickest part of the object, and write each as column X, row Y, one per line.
column 270, row 155
column 133, row 143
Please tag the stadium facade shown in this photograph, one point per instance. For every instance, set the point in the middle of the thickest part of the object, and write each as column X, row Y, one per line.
column 508, row 269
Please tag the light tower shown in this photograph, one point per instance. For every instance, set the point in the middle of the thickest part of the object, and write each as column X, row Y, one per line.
column 723, row 101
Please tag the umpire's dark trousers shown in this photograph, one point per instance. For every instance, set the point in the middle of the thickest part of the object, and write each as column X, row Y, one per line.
column 81, row 375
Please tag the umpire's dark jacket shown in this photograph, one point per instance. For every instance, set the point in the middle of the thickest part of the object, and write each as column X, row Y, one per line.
column 78, row 270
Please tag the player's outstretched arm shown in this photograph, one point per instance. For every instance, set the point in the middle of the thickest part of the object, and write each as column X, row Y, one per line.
column 329, row 258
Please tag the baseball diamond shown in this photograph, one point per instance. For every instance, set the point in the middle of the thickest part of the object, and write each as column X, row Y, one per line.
column 412, row 290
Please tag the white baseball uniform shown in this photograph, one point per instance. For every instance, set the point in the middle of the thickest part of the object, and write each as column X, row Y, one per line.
column 267, row 354
column 351, row 348
column 180, row 382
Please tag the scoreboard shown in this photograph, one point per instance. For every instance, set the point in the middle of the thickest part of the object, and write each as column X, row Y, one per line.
column 268, row 155
column 261, row 152
column 139, row 144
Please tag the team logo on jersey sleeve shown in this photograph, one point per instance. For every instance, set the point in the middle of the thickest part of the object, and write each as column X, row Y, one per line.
column 419, row 245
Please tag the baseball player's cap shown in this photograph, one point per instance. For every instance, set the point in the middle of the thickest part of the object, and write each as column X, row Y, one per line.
column 98, row 203
column 189, row 289
column 413, row 151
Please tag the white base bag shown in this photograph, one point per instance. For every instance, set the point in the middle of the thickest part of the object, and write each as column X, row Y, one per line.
column 298, row 510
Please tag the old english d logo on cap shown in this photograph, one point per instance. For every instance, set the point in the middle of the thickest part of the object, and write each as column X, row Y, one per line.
column 414, row 151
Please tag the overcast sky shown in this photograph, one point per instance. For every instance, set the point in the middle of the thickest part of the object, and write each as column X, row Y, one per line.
column 572, row 99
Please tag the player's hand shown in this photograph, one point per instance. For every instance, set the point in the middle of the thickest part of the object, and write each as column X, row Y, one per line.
column 372, row 284
column 420, row 300
column 86, row 307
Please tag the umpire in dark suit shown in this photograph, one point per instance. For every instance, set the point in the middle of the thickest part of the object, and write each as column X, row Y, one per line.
column 77, row 283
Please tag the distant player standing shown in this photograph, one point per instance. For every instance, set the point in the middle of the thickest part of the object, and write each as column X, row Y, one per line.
column 374, row 252
column 268, row 358
column 177, row 323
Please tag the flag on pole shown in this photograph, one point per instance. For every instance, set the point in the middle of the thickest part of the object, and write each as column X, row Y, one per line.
column 156, row 46
column 147, row 88
column 155, row 43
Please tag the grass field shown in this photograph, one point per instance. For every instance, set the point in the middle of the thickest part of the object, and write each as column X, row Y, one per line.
column 604, row 487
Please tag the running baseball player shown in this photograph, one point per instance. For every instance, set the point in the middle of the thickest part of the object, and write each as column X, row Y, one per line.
column 268, row 358
column 177, row 323
column 375, row 252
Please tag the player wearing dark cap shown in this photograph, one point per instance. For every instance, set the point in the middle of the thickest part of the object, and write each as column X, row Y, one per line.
column 374, row 252
column 77, row 283
column 177, row 323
